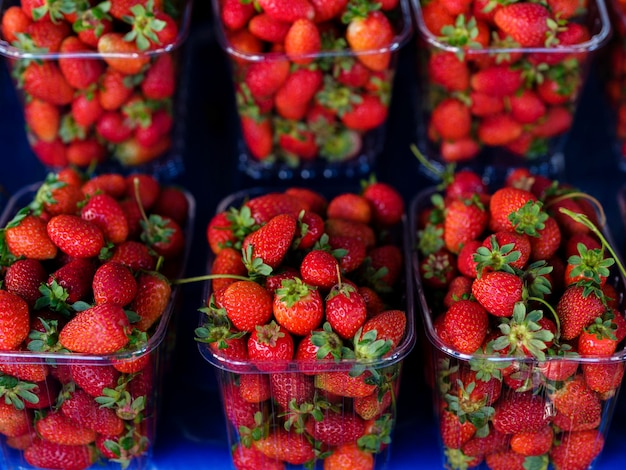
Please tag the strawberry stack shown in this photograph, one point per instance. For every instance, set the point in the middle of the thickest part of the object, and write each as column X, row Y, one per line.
column 84, row 308
column 305, row 322
column 502, row 80
column 522, row 296
column 97, row 81
column 313, row 79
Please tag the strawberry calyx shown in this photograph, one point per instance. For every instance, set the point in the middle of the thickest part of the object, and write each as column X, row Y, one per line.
column 336, row 97
column 47, row 340
column 462, row 34
column 269, row 334
column 70, row 130
column 341, row 146
column 145, row 25
column 296, row 415
column 455, row 458
column 590, row 264
column 379, row 434
column 496, row 257
column 468, row 409
column 358, row 10
column 522, row 334
column 92, row 18
column 260, row 431
column 437, row 266
column 445, row 371
column 44, row 194
column 430, row 239
column 15, row 391
column 54, row 296
column 327, row 342
column 603, row 328
column 529, row 218
column 217, row 328
column 257, row 269
column 374, row 277
column 486, row 369
column 127, row 446
column 535, row 280
column 126, row 406
column 56, row 9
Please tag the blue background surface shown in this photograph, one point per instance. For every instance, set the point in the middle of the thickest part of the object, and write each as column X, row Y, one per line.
column 192, row 433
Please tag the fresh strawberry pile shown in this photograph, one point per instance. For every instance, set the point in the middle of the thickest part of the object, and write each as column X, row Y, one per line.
column 520, row 100
column 81, row 299
column 615, row 77
column 522, row 285
column 305, row 317
column 80, row 105
column 319, row 88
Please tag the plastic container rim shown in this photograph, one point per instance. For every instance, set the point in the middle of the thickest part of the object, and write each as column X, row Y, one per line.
column 595, row 42
column 429, row 329
column 12, row 52
column 153, row 342
column 399, row 40
column 249, row 367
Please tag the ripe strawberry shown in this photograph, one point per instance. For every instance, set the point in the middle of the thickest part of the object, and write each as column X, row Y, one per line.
column 105, row 212
column 271, row 242
column 14, row 322
column 291, row 387
column 14, row 20
column 227, row 261
column 287, row 446
column 345, row 310
column 603, row 378
column 133, row 254
column 386, row 203
column 93, row 379
column 152, row 298
column 451, row 119
column 298, row 307
column 163, row 235
column 355, row 252
column 504, row 202
column 266, row 77
column 270, row 347
column 498, row 292
column 13, row 422
column 98, row 330
column 45, row 454
column 131, row 153
column 500, row 129
column 320, row 269
column 520, row 412
column 526, row 23
column 343, row 384
column 255, row 388
column 160, row 80
column 74, row 277
column 256, row 300
column 385, row 262
column 349, row 456
column 288, row 10
column 45, row 81
column 465, row 220
column 389, row 326
column 368, row 114
column 447, row 70
column 114, row 283
column 370, row 31
column 302, row 41
column 81, row 408
column 115, row 90
column 248, row 458
column 349, row 206
column 454, row 433
column 114, row 42
column 578, row 407
column 43, row 119
column 23, row 278
column 294, row 95
column 267, row 28
column 83, row 153
column 349, row 228
column 235, row 14
column 309, row 230
column 112, row 184
column 557, row 120
column 45, row 34
column 576, row 311
column 75, row 236
column 533, row 443
column 577, row 450
column 465, row 325
column 55, row 427
column 497, row 80
column 113, row 127
column 527, row 107
column 258, row 135
column 311, row 200
column 92, row 23
column 81, row 73
column 505, row 460
column 336, row 428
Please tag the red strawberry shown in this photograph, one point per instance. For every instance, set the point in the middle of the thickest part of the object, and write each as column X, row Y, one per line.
column 336, row 428
column 258, row 136
column 326, row 10
column 367, row 32
column 55, row 427
column 577, row 311
column 92, row 23
column 251, row 458
column 349, row 206
column 289, row 447
column 14, row 20
column 114, row 42
column 105, row 212
column 319, row 268
column 349, row 456
column 465, row 325
column 451, row 119
column 291, row 386
column 227, row 261
column 81, row 73
column 527, row 107
column 270, row 347
column 271, row 242
column 520, row 412
column 368, row 114
column 256, row 300
column 268, row 28
column 389, row 326
column 43, row 119
column 13, row 422
column 386, row 261
column 112, row 184
column 81, row 408
column 504, row 202
column 160, row 80
column 386, row 202
column 98, row 330
column 346, row 310
column 302, row 41
column 526, row 23
column 24, row 277
column 603, row 378
column 505, row 460
column 498, row 80
column 133, row 254
column 355, row 252
column 500, row 129
column 45, row 81
column 45, row 454
column 288, row 10
column 533, row 443
column 75, row 236
column 343, row 384
column 163, row 235
column 152, row 298
column 75, row 278
column 113, row 127
column 465, row 220
column 83, row 153
column 93, row 379
column 298, row 307
column 114, row 283
column 498, row 292
column 266, row 77
column 454, row 433
column 447, row 70
column 235, row 14
column 577, row 405
column 47, row 34
column 577, row 450
column 255, row 388
column 27, row 369
column 114, row 90
column 349, row 228
column 293, row 97
column 14, row 322
column 484, row 104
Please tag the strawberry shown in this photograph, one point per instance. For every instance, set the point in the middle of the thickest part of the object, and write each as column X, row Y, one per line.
column 497, row 80
column 98, row 330
column 74, row 277
column 152, row 298
column 114, row 89
column 370, row 31
column 326, row 10
column 93, row 379
column 520, row 412
column 451, row 119
column 447, row 70
column 505, row 460
column 298, row 307
column 465, row 325
column 83, row 153
column 557, row 120
column 302, row 41
column 603, row 378
column 271, row 242
column 55, row 427
column 500, row 129
column 483, row 104
column 45, row 81
column 372, row 406
column 45, row 34
column 353, row 252
column 288, row 10
column 114, row 42
column 163, row 235
column 268, row 28
column 459, row 288
column 289, row 447
column 227, row 261
column 385, row 262
column 343, row 384
column 81, row 408
column 526, row 23
column 504, row 202
column 104, row 211
column 493, row 442
column 235, row 14
column 113, row 283
column 437, row 269
column 577, row 450
column 255, row 388
column 92, row 23
column 14, row 322
column 336, row 428
column 79, row 73
column 454, row 433
column 349, row 228
column 112, row 127
column 249, row 458
column 345, row 310
column 296, row 92
column 23, row 278
column 258, row 135
column 527, row 107
column 368, row 114
column 317, row 351
column 13, row 422
column 133, row 254
column 291, row 387
column 43, row 119
column 270, row 347
column 45, row 454
column 578, row 407
column 349, row 206
column 159, row 82
column 147, row 186
column 577, row 309
column 320, row 269
column 14, row 20
column 498, row 292
column 348, row 456
column 389, row 326
column 310, row 229
column 238, row 411
column 75, row 236
column 266, row 77
column 465, row 220
column 311, row 200
column 86, row 108
column 132, row 153
column 257, row 302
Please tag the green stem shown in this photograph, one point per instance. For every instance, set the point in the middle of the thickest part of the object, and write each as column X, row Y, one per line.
column 208, row 277
column 424, row 161
column 583, row 219
column 593, row 200
column 556, row 317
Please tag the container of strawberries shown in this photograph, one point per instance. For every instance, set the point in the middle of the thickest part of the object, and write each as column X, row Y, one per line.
column 522, row 295
column 86, row 318
column 313, row 82
column 307, row 320
column 98, row 80
column 499, row 85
